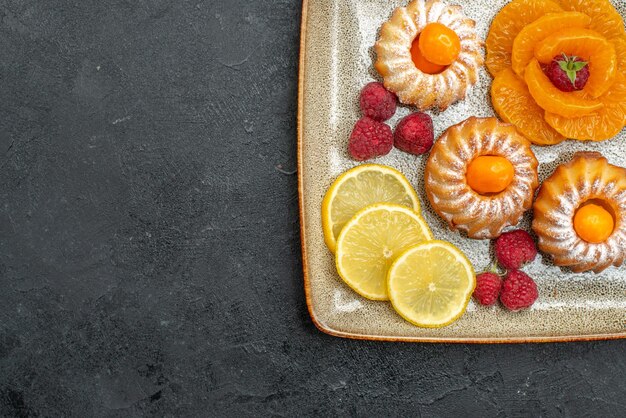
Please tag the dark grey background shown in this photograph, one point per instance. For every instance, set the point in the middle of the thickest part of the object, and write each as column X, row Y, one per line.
column 149, row 241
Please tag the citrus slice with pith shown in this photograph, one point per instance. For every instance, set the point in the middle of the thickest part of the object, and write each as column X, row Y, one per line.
column 359, row 187
column 431, row 284
column 370, row 242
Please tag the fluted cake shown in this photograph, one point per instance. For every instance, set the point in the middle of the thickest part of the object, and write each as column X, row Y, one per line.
column 480, row 215
column 400, row 75
column 587, row 177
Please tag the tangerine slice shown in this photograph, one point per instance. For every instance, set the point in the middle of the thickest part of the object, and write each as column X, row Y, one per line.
column 525, row 41
column 619, row 44
column 509, row 21
column 605, row 19
column 514, row 104
column 588, row 45
column 598, row 126
column 552, row 99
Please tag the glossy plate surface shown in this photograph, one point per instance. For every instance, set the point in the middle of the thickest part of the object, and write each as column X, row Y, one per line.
column 336, row 61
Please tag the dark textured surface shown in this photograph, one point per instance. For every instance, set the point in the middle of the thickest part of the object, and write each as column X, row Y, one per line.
column 149, row 241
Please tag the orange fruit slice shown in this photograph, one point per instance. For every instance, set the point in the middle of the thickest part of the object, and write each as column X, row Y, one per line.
column 598, row 126
column 620, row 50
column 552, row 99
column 509, row 21
column 514, row 104
column 524, row 43
column 588, row 45
column 605, row 19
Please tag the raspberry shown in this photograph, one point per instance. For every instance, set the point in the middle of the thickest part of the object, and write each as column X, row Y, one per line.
column 414, row 134
column 514, row 249
column 377, row 102
column 487, row 289
column 369, row 139
column 568, row 73
column 519, row 291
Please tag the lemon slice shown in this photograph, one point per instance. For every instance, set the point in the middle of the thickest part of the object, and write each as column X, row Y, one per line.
column 431, row 284
column 371, row 240
column 359, row 187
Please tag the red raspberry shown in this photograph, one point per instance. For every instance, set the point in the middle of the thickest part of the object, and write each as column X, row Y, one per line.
column 519, row 291
column 568, row 73
column 369, row 139
column 487, row 289
column 414, row 134
column 514, row 249
column 377, row 102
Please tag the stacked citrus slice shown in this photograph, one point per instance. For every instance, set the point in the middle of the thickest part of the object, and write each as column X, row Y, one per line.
column 371, row 241
column 360, row 187
column 385, row 250
column 526, row 36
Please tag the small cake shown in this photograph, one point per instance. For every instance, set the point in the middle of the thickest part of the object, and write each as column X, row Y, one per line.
column 428, row 53
column 580, row 214
column 481, row 176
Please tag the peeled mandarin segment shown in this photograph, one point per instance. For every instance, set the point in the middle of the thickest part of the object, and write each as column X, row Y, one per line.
column 509, row 21
column 489, row 174
column 525, row 41
column 605, row 19
column 593, row 223
column 552, row 99
column 588, row 45
column 422, row 63
column 598, row 126
column 439, row 44
column 514, row 104
column 620, row 49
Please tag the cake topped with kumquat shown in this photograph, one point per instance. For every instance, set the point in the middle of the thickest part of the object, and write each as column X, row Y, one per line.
column 429, row 54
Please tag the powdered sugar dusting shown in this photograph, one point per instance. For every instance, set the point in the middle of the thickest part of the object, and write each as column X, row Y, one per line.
column 400, row 74
column 573, row 184
column 464, row 209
